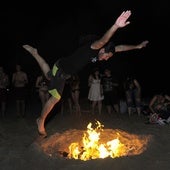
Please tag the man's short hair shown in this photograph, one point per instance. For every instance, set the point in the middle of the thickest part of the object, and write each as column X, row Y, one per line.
column 110, row 47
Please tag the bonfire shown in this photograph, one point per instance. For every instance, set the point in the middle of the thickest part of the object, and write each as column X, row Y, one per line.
column 95, row 143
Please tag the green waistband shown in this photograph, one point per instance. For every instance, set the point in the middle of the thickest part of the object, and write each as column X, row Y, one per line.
column 54, row 70
column 55, row 94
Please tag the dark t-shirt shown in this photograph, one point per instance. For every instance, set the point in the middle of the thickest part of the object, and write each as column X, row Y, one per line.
column 79, row 59
column 110, row 85
column 107, row 83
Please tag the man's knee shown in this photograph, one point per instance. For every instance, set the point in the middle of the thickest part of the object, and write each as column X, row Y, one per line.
column 54, row 100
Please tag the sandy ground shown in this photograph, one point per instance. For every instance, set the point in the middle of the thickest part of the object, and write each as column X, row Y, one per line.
column 19, row 149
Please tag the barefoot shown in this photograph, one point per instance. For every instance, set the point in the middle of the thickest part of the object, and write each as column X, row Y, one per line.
column 30, row 49
column 41, row 129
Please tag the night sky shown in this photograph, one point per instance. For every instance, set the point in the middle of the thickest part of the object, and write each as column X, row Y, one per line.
column 55, row 29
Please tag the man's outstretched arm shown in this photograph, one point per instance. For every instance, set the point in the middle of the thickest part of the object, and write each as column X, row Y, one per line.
column 121, row 48
column 120, row 22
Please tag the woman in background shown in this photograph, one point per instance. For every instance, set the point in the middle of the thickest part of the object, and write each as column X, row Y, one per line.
column 42, row 86
column 95, row 94
column 75, row 92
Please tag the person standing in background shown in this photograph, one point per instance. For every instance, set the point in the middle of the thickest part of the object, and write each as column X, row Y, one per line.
column 20, row 81
column 95, row 94
column 75, row 93
column 133, row 95
column 111, row 92
column 42, row 86
column 4, row 84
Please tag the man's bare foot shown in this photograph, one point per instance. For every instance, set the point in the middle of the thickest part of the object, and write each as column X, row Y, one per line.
column 41, row 129
column 30, row 49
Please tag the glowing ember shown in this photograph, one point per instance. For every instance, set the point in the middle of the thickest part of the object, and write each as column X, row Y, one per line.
column 92, row 147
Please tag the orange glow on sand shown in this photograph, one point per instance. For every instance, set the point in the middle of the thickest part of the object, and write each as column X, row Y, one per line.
column 94, row 143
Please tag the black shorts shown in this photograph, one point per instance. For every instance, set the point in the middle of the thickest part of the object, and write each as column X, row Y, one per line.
column 110, row 98
column 3, row 95
column 20, row 93
column 57, row 81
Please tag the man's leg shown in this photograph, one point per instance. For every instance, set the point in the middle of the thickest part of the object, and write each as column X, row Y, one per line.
column 42, row 63
column 45, row 111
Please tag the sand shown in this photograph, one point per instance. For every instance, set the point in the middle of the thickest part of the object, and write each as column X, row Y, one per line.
column 21, row 147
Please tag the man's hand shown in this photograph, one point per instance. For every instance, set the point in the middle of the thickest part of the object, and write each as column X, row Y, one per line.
column 122, row 19
column 142, row 44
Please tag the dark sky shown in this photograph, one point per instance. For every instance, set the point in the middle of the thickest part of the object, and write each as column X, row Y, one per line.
column 55, row 29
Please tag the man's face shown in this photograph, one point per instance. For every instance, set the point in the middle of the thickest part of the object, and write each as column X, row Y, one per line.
column 103, row 55
column 18, row 67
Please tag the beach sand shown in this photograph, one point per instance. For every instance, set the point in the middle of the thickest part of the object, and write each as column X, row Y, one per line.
column 22, row 149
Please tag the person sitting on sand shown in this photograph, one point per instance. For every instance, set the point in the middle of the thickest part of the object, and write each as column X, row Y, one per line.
column 160, row 109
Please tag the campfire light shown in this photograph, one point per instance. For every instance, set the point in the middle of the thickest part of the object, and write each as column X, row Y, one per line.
column 93, row 149
column 94, row 143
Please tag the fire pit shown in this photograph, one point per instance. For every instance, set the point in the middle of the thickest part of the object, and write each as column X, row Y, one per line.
column 94, row 143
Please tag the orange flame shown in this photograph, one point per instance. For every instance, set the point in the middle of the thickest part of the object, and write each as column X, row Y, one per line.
column 91, row 146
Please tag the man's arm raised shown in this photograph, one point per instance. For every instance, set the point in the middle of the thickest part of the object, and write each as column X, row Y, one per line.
column 120, row 22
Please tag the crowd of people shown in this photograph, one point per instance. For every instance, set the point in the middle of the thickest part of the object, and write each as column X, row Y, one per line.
column 18, row 84
column 104, row 93
column 104, row 90
column 62, row 83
